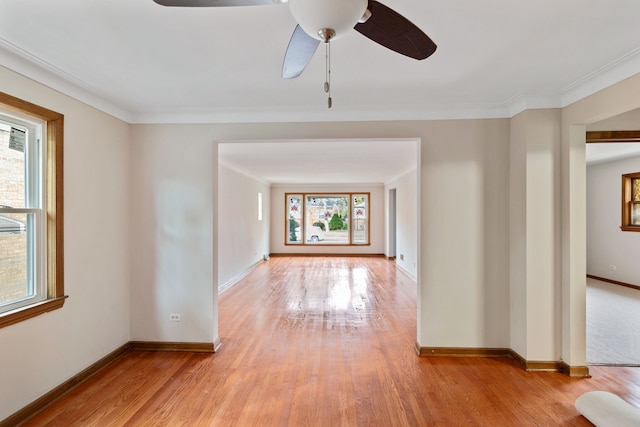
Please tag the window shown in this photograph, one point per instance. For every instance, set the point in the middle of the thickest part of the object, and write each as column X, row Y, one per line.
column 327, row 219
column 631, row 202
column 31, row 220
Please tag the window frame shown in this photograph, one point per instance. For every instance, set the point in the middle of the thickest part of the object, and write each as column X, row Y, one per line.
column 628, row 202
column 52, row 208
column 303, row 206
column 32, row 208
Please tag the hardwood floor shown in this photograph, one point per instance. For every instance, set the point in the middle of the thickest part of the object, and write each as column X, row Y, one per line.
column 325, row 341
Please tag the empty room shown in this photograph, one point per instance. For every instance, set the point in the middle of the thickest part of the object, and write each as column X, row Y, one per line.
column 214, row 213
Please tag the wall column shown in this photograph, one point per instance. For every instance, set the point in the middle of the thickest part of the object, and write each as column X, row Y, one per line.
column 534, row 221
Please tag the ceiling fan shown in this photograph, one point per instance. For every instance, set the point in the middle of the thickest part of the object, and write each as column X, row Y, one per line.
column 328, row 20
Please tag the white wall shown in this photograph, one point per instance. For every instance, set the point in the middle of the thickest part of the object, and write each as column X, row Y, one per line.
column 243, row 238
column 376, row 219
column 406, row 221
column 535, row 279
column 173, row 186
column 629, row 120
column 41, row 353
column 518, row 235
column 464, row 296
column 606, row 243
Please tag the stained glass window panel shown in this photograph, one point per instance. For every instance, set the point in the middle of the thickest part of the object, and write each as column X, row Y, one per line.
column 360, row 219
column 294, row 218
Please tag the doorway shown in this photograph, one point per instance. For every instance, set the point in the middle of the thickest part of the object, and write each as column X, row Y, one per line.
column 611, row 335
column 392, row 225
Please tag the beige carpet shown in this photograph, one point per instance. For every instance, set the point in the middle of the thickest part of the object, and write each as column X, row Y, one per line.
column 613, row 324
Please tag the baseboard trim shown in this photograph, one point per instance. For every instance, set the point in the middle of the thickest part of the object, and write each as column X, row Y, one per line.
column 406, row 273
column 536, row 365
column 527, row 365
column 461, row 352
column 575, row 371
column 615, row 282
column 229, row 283
column 196, row 347
column 34, row 407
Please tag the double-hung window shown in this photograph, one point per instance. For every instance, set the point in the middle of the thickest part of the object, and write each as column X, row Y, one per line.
column 31, row 277
column 631, row 202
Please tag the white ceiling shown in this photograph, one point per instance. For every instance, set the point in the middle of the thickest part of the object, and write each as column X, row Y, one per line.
column 327, row 162
column 607, row 152
column 146, row 63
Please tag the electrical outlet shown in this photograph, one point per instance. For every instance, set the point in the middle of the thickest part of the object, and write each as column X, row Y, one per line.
column 401, row 257
column 612, row 267
column 174, row 317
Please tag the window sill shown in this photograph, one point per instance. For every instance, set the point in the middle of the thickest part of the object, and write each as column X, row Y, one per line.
column 320, row 245
column 630, row 228
column 24, row 313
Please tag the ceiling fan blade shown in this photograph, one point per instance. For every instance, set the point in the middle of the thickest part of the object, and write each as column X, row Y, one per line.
column 299, row 52
column 214, row 3
column 392, row 30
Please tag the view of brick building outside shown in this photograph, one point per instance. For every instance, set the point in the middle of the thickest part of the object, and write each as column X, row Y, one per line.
column 12, row 244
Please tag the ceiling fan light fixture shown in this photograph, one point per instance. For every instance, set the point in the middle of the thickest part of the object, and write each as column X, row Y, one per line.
column 326, row 34
column 316, row 15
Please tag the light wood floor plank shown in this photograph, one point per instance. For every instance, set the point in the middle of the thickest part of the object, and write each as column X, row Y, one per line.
column 325, row 341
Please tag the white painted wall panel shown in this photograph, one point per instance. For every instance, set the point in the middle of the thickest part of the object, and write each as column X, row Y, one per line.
column 464, row 298
column 173, row 187
column 607, row 245
column 243, row 239
column 406, row 221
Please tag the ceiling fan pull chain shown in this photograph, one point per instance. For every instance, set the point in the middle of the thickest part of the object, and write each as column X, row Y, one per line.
column 327, row 75
column 326, row 68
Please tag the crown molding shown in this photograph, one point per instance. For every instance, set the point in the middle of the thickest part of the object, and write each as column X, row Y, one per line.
column 16, row 59
column 22, row 62
column 612, row 73
column 520, row 103
column 361, row 113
